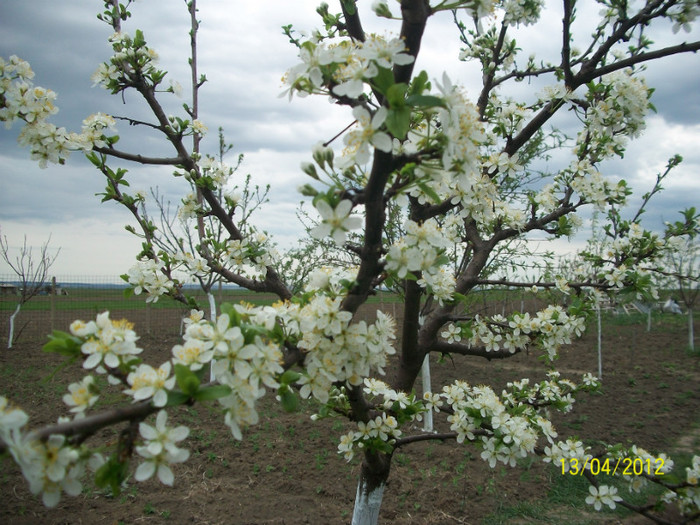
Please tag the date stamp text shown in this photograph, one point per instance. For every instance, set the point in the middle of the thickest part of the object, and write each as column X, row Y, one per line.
column 610, row 467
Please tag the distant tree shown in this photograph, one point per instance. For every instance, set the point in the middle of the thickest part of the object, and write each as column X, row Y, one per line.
column 683, row 270
column 31, row 270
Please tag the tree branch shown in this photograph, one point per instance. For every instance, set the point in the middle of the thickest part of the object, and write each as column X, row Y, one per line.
column 162, row 161
column 444, row 347
column 586, row 76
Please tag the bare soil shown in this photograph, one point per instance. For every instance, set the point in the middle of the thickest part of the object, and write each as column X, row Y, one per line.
column 287, row 470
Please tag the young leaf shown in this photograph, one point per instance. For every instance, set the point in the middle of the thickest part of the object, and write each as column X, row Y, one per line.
column 63, row 343
column 212, row 392
column 425, row 101
column 112, row 474
column 288, row 399
column 186, row 380
column 398, row 120
column 289, row 377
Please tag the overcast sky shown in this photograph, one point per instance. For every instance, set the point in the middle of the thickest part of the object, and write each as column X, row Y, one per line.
column 244, row 55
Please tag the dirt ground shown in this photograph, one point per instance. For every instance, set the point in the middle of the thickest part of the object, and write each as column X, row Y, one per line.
column 287, row 470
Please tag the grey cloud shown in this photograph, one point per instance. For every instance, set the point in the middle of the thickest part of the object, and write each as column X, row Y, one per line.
column 244, row 55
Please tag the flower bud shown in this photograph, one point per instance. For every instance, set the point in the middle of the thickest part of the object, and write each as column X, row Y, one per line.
column 381, row 9
column 307, row 190
column 322, row 155
column 309, row 169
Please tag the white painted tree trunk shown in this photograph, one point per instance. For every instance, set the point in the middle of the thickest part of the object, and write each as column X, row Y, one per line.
column 11, row 337
column 367, row 504
column 212, row 316
column 428, row 416
column 600, row 346
column 691, row 335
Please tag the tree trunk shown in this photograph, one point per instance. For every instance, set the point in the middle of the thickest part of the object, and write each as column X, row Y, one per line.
column 428, row 416
column 212, row 306
column 212, row 316
column 370, row 488
column 11, row 337
column 367, row 504
column 691, row 335
column 600, row 346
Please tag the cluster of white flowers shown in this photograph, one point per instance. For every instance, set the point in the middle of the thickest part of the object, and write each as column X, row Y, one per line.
column 367, row 133
column 683, row 14
column 147, row 276
column 330, row 280
column 421, row 250
column 217, row 171
column 602, row 495
column 251, row 255
column 462, row 129
column 547, row 329
column 592, row 187
column 106, row 342
column 375, row 433
column 50, row 467
column 345, row 66
column 509, row 426
column 21, row 100
column 337, row 350
column 240, row 359
column 131, row 56
column 335, row 221
column 525, row 12
column 624, row 262
column 148, row 382
column 688, row 498
column 81, row 395
column 619, row 105
column 381, row 432
column 160, row 450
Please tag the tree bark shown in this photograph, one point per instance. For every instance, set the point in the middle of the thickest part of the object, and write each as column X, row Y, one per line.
column 212, row 316
column 370, row 488
column 11, row 337
column 691, row 335
column 427, row 387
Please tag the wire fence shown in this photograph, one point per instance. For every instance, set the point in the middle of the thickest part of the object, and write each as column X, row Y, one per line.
column 65, row 298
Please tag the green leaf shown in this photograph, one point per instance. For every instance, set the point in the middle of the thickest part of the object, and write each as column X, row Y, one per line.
column 63, row 343
column 459, row 297
column 419, row 84
column 139, row 40
column 425, row 101
column 398, row 120
column 383, row 80
column 234, row 316
column 396, row 95
column 94, row 158
column 212, row 392
column 176, row 398
column 429, row 192
column 289, row 377
column 112, row 474
column 289, row 400
column 349, row 6
column 186, row 380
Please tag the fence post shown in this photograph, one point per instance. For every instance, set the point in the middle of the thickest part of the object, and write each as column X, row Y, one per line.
column 52, row 303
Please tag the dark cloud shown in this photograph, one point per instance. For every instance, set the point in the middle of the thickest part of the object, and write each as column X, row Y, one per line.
column 244, row 54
